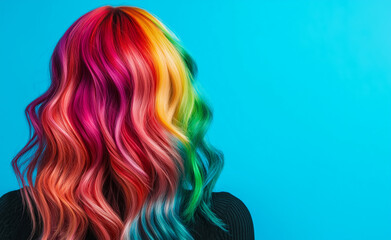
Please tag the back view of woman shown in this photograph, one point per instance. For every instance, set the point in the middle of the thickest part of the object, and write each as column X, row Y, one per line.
column 117, row 148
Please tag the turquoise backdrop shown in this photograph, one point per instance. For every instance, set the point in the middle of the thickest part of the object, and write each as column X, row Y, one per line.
column 301, row 93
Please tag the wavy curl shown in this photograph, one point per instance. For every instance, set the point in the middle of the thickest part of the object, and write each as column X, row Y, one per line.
column 117, row 143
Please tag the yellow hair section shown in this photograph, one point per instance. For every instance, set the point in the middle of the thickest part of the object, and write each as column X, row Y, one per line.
column 173, row 85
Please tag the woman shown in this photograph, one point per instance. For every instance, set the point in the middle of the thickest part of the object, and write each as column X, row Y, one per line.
column 118, row 146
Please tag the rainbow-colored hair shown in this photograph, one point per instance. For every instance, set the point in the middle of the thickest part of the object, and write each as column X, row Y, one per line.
column 119, row 137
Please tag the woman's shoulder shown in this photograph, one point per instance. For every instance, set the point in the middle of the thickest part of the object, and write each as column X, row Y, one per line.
column 9, row 202
column 10, row 194
column 14, row 219
column 225, row 203
column 234, row 214
column 226, row 198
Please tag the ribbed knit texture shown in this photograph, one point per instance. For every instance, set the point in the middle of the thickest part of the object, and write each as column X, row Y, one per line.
column 15, row 224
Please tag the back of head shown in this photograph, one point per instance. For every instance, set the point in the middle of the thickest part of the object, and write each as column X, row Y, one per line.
column 118, row 141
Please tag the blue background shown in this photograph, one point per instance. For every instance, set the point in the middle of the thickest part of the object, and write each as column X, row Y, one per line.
column 301, row 93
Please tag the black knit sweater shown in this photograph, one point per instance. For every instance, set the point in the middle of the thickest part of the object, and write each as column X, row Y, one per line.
column 16, row 224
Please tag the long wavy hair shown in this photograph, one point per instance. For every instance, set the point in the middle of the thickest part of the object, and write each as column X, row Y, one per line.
column 117, row 143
